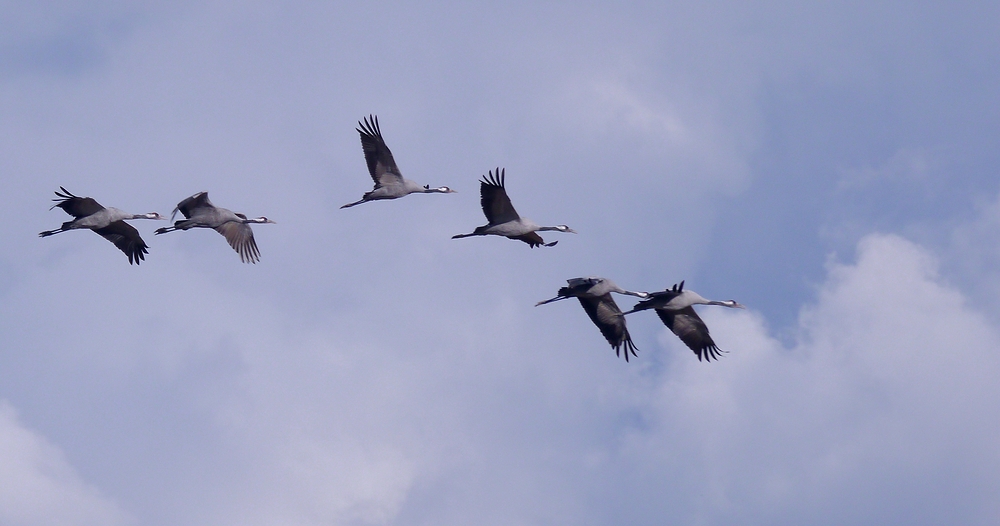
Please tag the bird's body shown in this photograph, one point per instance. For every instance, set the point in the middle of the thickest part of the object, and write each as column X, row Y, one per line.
column 389, row 181
column 595, row 296
column 675, row 307
column 109, row 222
column 201, row 213
column 503, row 219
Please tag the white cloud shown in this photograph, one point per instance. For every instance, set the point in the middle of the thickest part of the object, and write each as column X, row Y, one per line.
column 888, row 402
column 39, row 487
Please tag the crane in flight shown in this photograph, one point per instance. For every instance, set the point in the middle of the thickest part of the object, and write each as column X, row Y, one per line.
column 595, row 296
column 675, row 307
column 389, row 181
column 109, row 222
column 199, row 212
column 503, row 219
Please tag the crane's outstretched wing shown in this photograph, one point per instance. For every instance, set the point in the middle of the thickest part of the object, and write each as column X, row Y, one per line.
column 580, row 284
column 689, row 327
column 76, row 206
column 604, row 312
column 496, row 204
column 381, row 165
column 127, row 239
column 190, row 206
column 533, row 240
column 240, row 237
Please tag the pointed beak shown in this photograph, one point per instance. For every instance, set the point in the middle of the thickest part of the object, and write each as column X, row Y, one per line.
column 272, row 222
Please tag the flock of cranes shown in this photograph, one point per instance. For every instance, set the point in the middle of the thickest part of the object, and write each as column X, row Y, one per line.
column 674, row 305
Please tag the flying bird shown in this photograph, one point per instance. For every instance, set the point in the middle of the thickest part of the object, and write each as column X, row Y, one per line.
column 595, row 295
column 108, row 222
column 503, row 219
column 389, row 181
column 675, row 307
column 201, row 213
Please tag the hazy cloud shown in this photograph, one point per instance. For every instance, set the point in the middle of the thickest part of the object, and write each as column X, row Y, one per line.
column 38, row 486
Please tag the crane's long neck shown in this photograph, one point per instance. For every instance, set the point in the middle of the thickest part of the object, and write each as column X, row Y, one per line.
column 630, row 293
column 727, row 303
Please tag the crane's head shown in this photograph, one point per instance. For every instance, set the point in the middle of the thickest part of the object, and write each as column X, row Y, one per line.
column 154, row 215
column 439, row 190
column 564, row 228
column 260, row 219
column 728, row 303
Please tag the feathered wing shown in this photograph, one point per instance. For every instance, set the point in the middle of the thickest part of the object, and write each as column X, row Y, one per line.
column 689, row 327
column 190, row 206
column 496, row 204
column 604, row 312
column 581, row 284
column 126, row 238
column 531, row 238
column 381, row 165
column 77, row 206
column 240, row 237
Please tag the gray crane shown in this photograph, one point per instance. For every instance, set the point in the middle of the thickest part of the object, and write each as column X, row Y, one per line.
column 108, row 222
column 503, row 219
column 595, row 295
column 675, row 308
column 389, row 182
column 201, row 213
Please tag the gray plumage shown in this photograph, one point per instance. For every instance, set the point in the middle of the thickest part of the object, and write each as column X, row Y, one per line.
column 109, row 222
column 199, row 212
column 675, row 307
column 389, row 181
column 595, row 296
column 503, row 219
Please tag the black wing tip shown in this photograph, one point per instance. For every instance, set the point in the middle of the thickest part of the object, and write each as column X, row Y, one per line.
column 710, row 352
column 369, row 126
column 495, row 178
column 629, row 347
column 137, row 255
column 66, row 194
column 63, row 197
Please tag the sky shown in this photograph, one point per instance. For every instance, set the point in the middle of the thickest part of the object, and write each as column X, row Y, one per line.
column 830, row 165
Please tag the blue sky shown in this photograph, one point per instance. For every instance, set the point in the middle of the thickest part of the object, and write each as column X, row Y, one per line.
column 832, row 167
